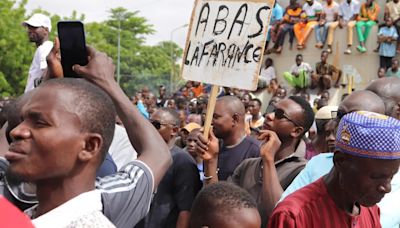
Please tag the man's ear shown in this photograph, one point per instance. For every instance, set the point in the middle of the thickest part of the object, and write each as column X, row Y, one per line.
column 175, row 131
column 297, row 132
column 396, row 111
column 236, row 118
column 91, row 148
column 339, row 159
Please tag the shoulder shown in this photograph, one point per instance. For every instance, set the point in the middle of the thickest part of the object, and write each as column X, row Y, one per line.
column 322, row 157
column 180, row 154
column 127, row 177
column 249, row 162
column 46, row 46
column 181, row 158
column 245, row 169
column 252, row 141
column 295, row 203
column 252, row 146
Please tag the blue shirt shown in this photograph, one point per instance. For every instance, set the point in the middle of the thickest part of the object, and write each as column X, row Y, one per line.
column 277, row 13
column 142, row 109
column 321, row 164
column 107, row 168
column 388, row 49
column 390, row 73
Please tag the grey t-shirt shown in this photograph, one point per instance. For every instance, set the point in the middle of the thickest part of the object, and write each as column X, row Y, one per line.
column 126, row 196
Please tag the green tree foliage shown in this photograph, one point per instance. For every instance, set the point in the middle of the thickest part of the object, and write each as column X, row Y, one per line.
column 140, row 64
column 16, row 51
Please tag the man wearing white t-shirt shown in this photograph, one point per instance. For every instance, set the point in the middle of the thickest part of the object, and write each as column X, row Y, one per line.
column 329, row 16
column 38, row 28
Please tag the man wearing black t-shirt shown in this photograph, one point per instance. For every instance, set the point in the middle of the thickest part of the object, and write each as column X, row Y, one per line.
column 229, row 127
column 180, row 185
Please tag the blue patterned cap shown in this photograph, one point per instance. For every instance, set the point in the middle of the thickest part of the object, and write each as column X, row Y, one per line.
column 369, row 134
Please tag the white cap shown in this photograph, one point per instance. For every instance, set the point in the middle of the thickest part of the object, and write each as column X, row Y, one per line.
column 326, row 113
column 38, row 20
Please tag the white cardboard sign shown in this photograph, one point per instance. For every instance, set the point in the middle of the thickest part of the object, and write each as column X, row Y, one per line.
column 225, row 42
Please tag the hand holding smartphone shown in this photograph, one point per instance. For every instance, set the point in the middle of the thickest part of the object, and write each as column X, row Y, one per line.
column 72, row 46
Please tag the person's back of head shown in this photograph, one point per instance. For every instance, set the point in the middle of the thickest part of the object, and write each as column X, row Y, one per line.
column 387, row 89
column 224, row 205
column 361, row 100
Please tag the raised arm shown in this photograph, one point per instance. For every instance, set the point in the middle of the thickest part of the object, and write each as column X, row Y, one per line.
column 151, row 148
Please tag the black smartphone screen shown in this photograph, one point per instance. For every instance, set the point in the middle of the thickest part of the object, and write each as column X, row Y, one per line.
column 72, row 44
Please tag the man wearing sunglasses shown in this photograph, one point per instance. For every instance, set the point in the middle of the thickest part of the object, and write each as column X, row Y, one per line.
column 178, row 188
column 281, row 156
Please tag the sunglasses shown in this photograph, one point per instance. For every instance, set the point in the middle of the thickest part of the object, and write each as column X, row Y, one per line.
column 157, row 124
column 280, row 114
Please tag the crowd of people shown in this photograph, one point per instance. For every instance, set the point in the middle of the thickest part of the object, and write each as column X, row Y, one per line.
column 299, row 20
column 322, row 18
column 77, row 152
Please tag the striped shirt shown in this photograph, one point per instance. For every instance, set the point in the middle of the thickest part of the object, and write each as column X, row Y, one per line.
column 312, row 206
column 126, row 195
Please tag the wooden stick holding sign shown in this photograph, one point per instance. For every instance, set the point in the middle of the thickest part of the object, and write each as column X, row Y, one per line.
column 225, row 44
column 210, row 110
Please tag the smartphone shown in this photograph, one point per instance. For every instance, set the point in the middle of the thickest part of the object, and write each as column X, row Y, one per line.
column 72, row 46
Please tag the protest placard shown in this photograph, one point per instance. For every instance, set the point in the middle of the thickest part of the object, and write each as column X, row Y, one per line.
column 225, row 42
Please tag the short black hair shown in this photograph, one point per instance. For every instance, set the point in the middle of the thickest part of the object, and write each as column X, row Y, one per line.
column 324, row 52
column 94, row 107
column 308, row 113
column 218, row 200
column 257, row 100
column 270, row 60
column 173, row 113
column 299, row 55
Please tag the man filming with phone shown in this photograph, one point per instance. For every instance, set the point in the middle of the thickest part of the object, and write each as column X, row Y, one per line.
column 82, row 112
column 38, row 27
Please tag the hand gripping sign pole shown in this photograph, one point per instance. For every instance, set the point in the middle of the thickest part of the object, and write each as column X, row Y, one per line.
column 224, row 45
